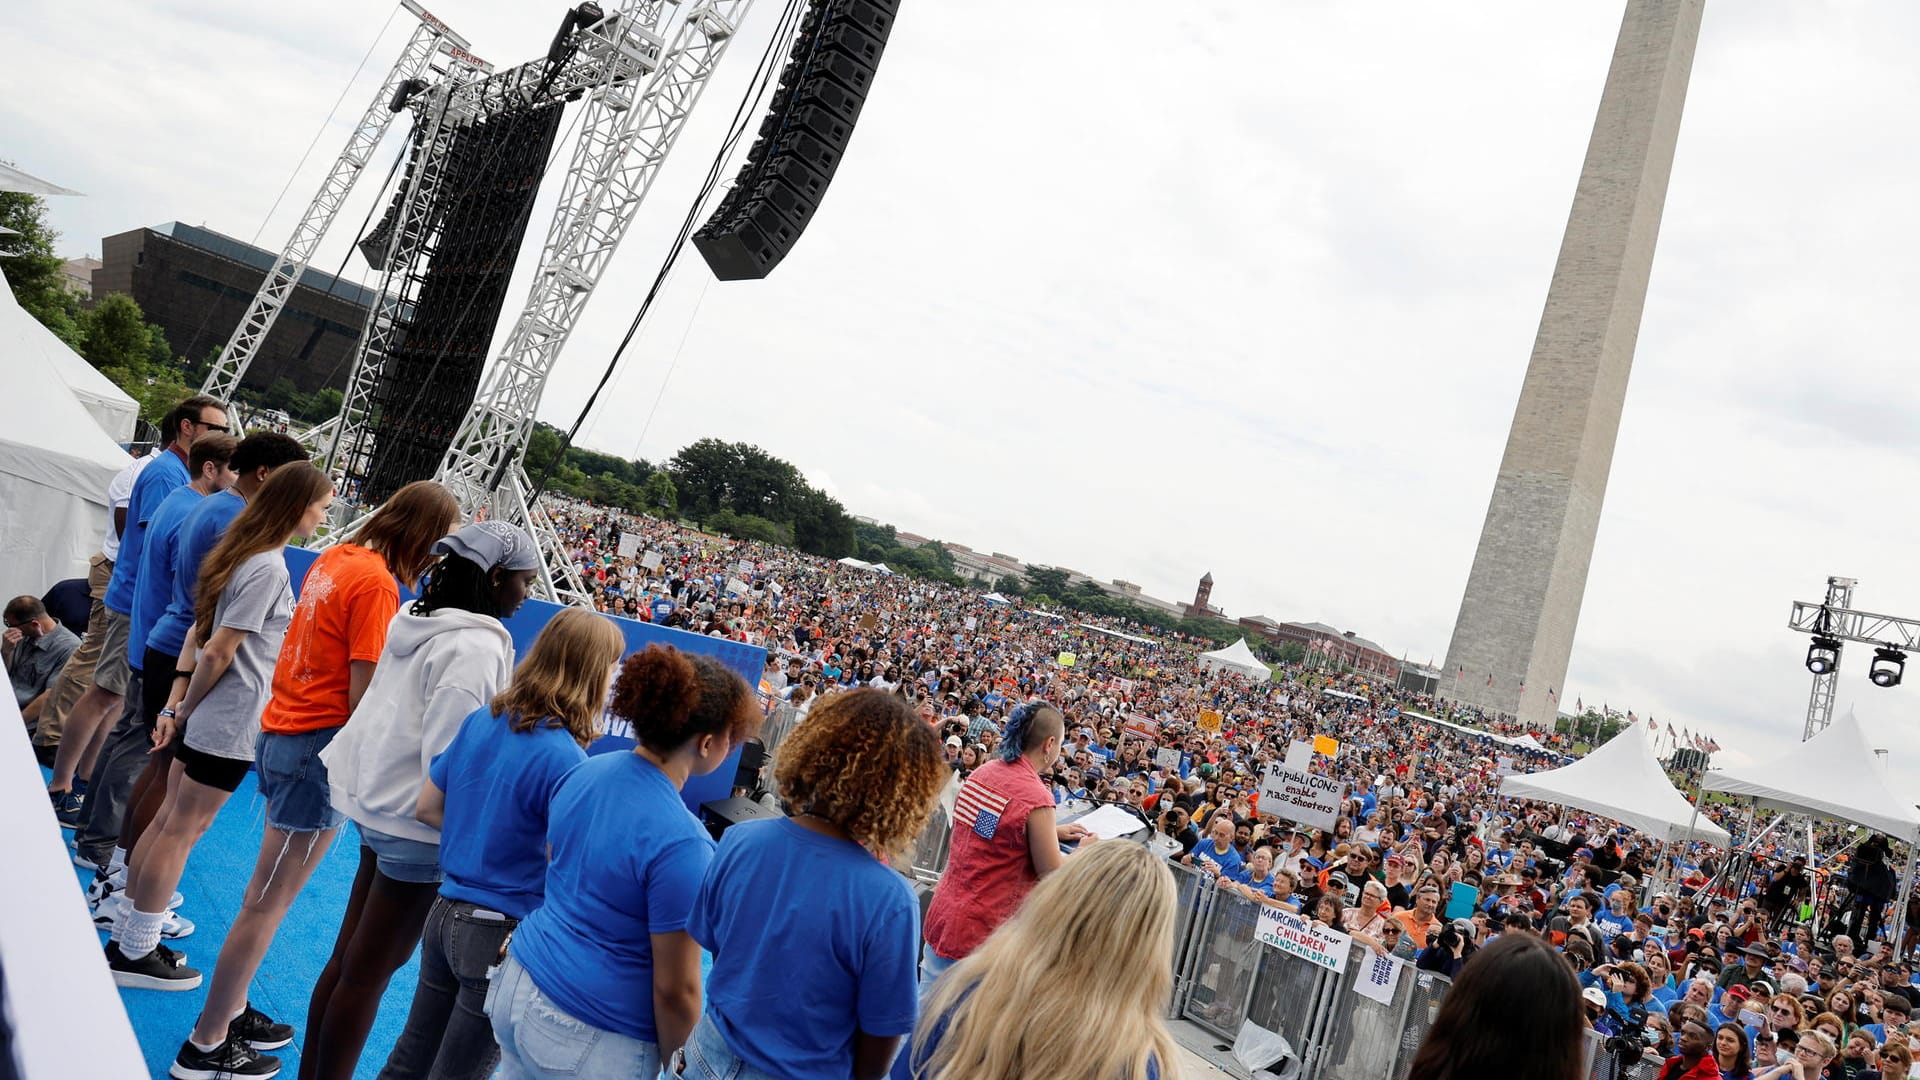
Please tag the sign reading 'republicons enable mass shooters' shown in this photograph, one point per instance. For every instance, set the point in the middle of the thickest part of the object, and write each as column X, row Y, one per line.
column 1300, row 796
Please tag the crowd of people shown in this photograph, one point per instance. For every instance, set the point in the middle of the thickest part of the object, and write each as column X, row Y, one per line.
column 561, row 901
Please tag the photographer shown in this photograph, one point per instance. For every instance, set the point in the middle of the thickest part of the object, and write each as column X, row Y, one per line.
column 1871, row 880
column 1449, row 948
column 1173, row 823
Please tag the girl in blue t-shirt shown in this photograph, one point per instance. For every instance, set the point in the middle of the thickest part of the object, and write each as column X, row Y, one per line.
column 1091, row 935
column 488, row 792
column 603, row 975
column 815, row 940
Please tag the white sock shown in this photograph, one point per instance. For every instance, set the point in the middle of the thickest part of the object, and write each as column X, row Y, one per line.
column 116, row 905
column 205, row 1049
column 118, row 861
column 141, row 933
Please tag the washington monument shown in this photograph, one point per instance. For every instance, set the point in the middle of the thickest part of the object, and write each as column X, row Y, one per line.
column 1516, row 625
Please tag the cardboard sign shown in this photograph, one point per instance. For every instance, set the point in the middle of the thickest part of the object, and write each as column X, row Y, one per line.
column 1326, row 746
column 738, row 587
column 1313, row 801
column 743, row 568
column 1141, row 727
column 1460, row 904
column 1210, row 721
column 629, row 545
column 1167, row 757
column 651, row 560
column 1378, row 977
column 1299, row 937
column 972, row 623
column 1067, row 659
column 869, row 621
column 1300, row 755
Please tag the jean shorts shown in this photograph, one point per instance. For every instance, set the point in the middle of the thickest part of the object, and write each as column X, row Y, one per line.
column 400, row 858
column 294, row 780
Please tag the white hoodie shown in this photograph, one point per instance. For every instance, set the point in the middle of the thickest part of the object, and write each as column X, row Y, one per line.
column 435, row 670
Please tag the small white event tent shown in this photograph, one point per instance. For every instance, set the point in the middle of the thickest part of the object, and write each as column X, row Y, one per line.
column 28, row 345
column 1237, row 658
column 56, row 461
column 1623, row 781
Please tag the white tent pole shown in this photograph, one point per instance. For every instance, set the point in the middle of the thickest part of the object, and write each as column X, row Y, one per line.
column 1906, row 894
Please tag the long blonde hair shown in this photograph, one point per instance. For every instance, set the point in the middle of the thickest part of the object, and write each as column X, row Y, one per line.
column 1073, row 987
column 564, row 676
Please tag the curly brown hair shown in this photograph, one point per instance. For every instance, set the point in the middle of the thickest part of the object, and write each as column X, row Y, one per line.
column 670, row 696
column 866, row 762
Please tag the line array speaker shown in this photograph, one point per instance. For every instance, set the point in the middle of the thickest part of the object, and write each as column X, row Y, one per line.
column 828, row 74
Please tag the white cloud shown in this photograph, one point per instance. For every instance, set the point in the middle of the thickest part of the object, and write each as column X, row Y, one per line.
column 1228, row 287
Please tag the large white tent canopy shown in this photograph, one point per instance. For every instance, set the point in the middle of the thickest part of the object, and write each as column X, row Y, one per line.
column 55, row 464
column 1623, row 781
column 1835, row 774
column 12, row 179
column 1238, row 658
column 28, row 345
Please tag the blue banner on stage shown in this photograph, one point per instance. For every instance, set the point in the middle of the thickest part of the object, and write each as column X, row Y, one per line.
column 748, row 660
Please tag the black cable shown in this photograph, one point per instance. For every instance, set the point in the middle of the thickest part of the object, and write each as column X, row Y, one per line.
column 749, row 103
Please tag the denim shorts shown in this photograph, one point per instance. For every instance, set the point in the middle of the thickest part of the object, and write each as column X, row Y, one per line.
column 400, row 858
column 294, row 780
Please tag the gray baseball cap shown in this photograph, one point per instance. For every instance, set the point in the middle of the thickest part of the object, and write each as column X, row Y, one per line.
column 488, row 544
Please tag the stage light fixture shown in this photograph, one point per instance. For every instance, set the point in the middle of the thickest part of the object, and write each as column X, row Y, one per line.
column 1888, row 665
column 1823, row 656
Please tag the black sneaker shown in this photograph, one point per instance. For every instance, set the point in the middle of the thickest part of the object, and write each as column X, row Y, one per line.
column 259, row 1030
column 230, row 1058
column 66, row 809
column 161, row 969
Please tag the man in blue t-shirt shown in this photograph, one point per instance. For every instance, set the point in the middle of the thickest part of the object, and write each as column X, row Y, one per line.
column 124, row 752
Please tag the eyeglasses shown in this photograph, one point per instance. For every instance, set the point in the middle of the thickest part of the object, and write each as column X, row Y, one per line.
column 221, row 428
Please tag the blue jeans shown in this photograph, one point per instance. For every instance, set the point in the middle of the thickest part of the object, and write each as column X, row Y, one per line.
column 932, row 966
column 539, row 1040
column 708, row 1057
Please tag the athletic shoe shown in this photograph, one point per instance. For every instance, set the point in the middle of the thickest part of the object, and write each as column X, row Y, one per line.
column 109, row 912
column 66, row 810
column 101, row 887
column 259, row 1030
column 83, row 861
column 161, row 969
column 230, row 1058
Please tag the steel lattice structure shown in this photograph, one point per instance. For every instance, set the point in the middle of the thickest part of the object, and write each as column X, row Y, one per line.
column 1835, row 619
column 430, row 39
column 628, row 127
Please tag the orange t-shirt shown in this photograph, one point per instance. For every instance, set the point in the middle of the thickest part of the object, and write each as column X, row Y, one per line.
column 347, row 601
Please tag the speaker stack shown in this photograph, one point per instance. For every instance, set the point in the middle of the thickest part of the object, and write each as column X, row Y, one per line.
column 828, row 74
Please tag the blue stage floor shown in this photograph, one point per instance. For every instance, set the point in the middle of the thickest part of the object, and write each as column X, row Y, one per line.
column 211, row 887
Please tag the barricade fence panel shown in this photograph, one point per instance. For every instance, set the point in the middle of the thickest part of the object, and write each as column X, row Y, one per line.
column 1363, row 1040
column 1607, row 1066
column 1226, row 960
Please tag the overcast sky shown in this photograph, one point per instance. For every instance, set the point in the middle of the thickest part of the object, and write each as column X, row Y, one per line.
column 1151, row 290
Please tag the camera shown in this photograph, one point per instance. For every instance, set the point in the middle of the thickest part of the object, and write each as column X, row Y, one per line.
column 1630, row 1036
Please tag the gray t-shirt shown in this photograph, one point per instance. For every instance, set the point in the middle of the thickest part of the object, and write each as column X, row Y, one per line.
column 259, row 600
column 37, row 662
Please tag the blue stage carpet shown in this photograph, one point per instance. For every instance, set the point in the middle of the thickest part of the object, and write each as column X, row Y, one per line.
column 211, row 887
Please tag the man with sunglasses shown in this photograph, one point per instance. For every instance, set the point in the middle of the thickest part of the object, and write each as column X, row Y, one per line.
column 98, row 840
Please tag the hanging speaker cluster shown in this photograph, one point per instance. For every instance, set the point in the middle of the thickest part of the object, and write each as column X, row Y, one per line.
column 828, row 74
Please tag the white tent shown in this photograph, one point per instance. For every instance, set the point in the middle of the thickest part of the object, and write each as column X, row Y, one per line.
column 12, row 179
column 1621, row 780
column 25, row 344
column 994, row 598
column 1835, row 774
column 55, row 465
column 1238, row 658
column 1526, row 742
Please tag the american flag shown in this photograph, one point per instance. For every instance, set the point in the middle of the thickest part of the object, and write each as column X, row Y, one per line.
column 981, row 806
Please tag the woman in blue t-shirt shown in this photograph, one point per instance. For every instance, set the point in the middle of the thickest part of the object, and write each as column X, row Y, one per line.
column 488, row 794
column 815, row 940
column 602, row 979
column 1092, row 936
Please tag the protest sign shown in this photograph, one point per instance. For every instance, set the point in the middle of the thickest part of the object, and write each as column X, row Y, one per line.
column 1141, row 727
column 1299, row 796
column 1460, row 904
column 738, row 587
column 629, row 545
column 1299, row 937
column 1377, row 977
column 869, row 621
column 1210, row 721
column 971, row 622
column 1167, row 757
column 1323, row 744
column 1067, row 659
column 1300, row 755
column 1503, row 765
column 651, row 560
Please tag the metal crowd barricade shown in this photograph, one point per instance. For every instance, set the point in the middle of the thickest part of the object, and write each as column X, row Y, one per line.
column 1193, row 893
column 1601, row 1065
column 1364, row 1039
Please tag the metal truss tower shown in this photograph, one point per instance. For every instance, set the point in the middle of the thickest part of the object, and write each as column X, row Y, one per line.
column 628, row 128
column 431, row 38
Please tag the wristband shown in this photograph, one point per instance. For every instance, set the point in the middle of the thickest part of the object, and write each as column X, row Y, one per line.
column 166, row 712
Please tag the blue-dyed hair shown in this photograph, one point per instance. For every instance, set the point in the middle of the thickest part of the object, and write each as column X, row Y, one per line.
column 1019, row 737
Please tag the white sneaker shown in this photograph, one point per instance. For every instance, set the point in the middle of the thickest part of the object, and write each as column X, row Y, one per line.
column 109, row 912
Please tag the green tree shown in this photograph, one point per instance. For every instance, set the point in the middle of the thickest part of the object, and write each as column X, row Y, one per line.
column 33, row 269
column 1047, row 580
column 1293, row 653
column 658, row 496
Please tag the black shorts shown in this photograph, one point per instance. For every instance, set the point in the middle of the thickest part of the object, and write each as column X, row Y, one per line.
column 211, row 769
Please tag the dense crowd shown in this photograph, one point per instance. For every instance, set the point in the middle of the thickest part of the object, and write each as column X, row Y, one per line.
column 562, row 901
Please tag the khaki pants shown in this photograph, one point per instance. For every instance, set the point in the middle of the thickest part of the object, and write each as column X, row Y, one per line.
column 77, row 675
